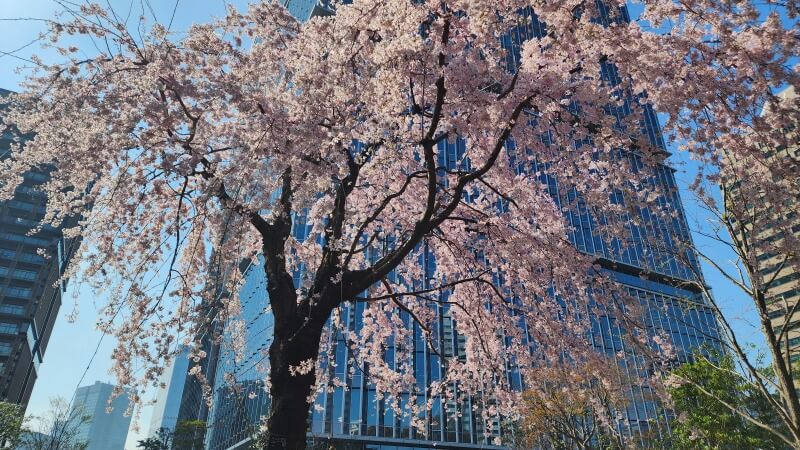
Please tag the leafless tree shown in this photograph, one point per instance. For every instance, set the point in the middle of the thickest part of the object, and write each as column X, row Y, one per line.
column 57, row 429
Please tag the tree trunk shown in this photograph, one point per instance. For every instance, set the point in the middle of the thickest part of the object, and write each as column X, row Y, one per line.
column 289, row 409
column 780, row 365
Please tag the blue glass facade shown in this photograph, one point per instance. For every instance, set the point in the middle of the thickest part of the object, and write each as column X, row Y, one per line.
column 168, row 398
column 355, row 416
column 356, row 413
column 104, row 430
column 239, row 396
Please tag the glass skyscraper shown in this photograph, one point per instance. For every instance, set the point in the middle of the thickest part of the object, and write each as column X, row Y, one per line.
column 193, row 407
column 29, row 301
column 104, row 430
column 236, row 408
column 353, row 416
column 168, row 399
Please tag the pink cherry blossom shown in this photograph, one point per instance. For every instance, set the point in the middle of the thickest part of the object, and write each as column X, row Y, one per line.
column 393, row 131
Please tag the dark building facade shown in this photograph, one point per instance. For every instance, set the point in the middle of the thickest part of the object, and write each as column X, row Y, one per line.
column 353, row 415
column 29, row 298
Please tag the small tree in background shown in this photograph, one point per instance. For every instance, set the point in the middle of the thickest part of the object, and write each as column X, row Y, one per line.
column 11, row 419
column 189, row 435
column 57, row 429
column 151, row 443
column 578, row 407
column 712, row 403
column 158, row 442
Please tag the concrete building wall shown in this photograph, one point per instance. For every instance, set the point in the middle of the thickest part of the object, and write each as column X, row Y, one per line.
column 782, row 280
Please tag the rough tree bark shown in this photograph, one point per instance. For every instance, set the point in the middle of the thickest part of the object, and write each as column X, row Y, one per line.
column 289, row 410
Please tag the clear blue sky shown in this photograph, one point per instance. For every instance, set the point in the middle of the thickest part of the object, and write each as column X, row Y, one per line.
column 72, row 344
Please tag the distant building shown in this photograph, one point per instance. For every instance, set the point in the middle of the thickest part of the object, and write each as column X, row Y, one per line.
column 303, row 10
column 168, row 398
column 28, row 438
column 104, row 430
column 29, row 299
column 784, row 290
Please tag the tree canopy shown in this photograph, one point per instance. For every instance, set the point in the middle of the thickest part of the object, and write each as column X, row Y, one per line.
column 704, row 395
column 417, row 157
column 189, row 435
column 579, row 406
column 161, row 441
column 12, row 417
column 57, row 429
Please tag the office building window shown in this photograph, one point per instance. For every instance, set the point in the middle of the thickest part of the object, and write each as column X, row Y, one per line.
column 5, row 348
column 15, row 310
column 30, row 191
column 18, row 292
column 25, row 239
column 24, row 257
column 785, row 279
column 777, row 313
column 35, row 176
column 25, row 206
column 8, row 328
column 18, row 274
column 23, row 274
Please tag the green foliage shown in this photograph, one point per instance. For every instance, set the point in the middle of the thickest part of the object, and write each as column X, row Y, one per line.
column 11, row 418
column 703, row 396
column 189, row 435
column 151, row 443
column 158, row 442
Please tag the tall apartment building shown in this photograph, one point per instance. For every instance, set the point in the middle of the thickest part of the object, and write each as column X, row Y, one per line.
column 29, row 299
column 354, row 416
column 782, row 289
column 104, row 429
